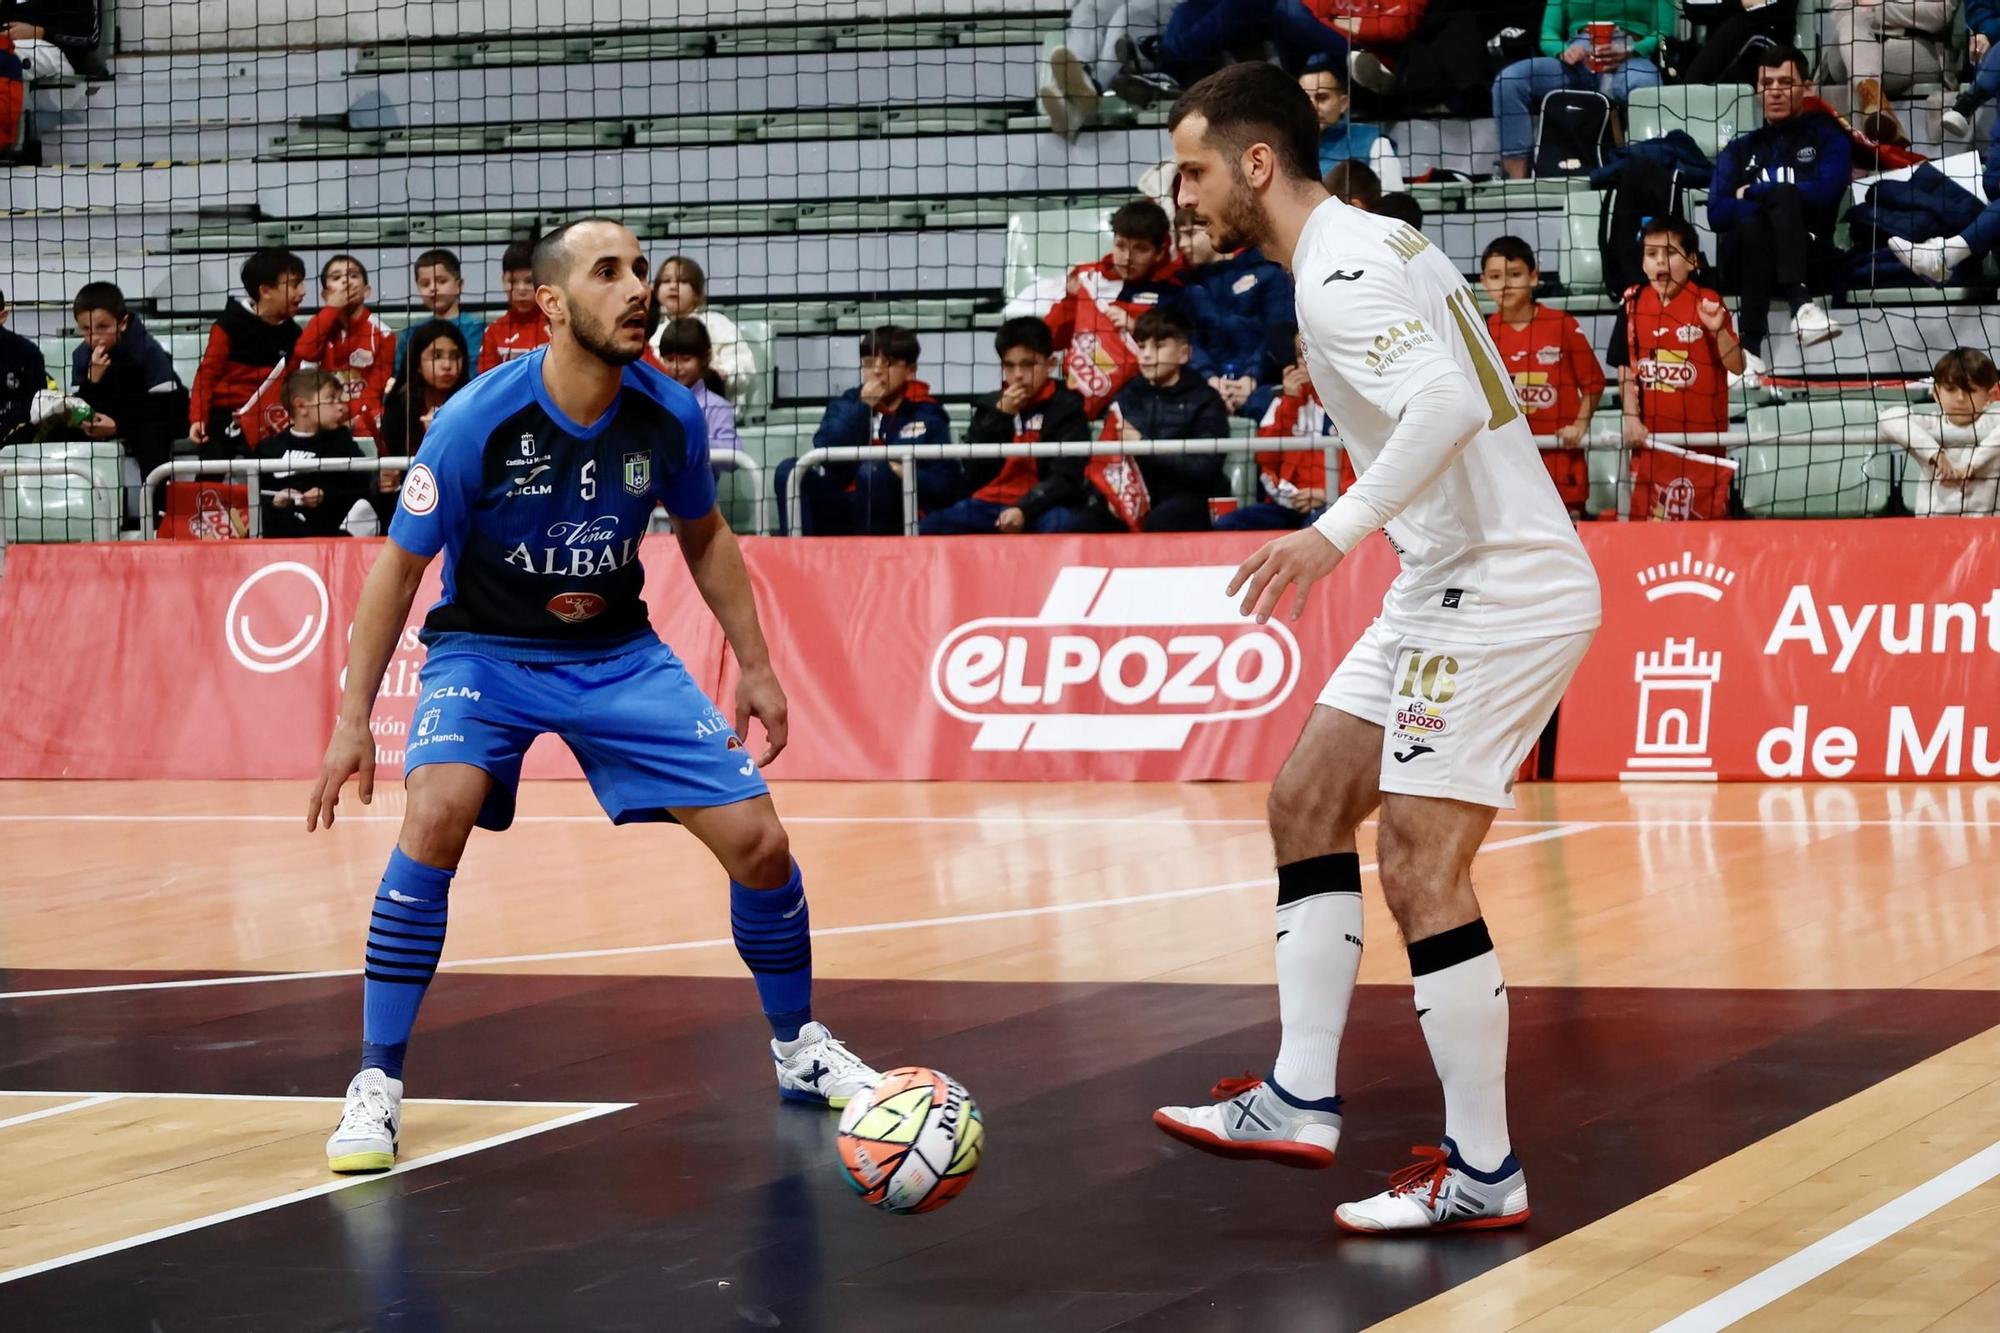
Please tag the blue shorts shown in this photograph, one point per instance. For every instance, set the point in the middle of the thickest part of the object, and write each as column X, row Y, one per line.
column 646, row 736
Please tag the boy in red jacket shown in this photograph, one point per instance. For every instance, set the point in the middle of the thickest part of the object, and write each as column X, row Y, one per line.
column 1556, row 374
column 346, row 340
column 524, row 327
column 1139, row 274
column 249, row 343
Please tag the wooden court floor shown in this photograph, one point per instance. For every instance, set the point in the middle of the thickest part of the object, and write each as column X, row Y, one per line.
column 1755, row 1050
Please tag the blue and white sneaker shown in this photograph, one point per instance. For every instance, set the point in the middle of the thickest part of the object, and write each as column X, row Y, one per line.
column 1254, row 1118
column 371, row 1123
column 1439, row 1192
column 818, row 1070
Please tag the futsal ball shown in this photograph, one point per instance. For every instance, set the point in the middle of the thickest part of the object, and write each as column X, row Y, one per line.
column 910, row 1143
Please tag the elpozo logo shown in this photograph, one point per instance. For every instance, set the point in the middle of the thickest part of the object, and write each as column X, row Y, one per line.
column 286, row 598
column 1116, row 659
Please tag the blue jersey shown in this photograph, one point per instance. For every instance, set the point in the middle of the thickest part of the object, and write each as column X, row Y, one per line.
column 540, row 518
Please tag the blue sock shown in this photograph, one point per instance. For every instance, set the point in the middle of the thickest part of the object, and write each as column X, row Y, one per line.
column 405, row 937
column 774, row 939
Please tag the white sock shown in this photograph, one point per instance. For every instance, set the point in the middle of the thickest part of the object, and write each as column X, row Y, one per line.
column 1462, row 1005
column 1319, row 953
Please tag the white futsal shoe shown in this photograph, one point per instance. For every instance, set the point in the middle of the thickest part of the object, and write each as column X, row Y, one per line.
column 370, row 1124
column 819, row 1070
column 1440, row 1193
column 1253, row 1119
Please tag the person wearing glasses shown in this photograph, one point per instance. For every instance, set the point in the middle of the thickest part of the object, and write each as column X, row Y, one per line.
column 1774, row 201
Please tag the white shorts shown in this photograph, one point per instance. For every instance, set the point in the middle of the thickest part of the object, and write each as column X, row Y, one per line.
column 1457, row 719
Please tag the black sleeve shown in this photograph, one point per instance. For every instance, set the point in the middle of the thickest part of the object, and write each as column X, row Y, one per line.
column 1614, row 351
column 1063, row 484
column 989, row 426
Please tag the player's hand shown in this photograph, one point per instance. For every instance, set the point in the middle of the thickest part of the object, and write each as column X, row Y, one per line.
column 1571, row 436
column 1011, row 519
column 1635, row 432
column 350, row 752
column 1712, row 315
column 198, row 432
column 1301, row 557
column 760, row 696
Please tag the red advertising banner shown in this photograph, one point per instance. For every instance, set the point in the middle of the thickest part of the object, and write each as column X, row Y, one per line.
column 1780, row 651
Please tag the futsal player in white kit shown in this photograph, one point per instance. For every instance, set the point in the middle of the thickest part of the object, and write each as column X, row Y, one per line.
column 1436, row 706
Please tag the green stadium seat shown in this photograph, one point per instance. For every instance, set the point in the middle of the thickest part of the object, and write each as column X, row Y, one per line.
column 1580, row 266
column 1781, row 478
column 1047, row 243
column 1711, row 114
column 62, row 508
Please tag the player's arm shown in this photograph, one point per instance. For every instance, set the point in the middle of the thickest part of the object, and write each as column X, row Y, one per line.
column 378, row 623
column 716, row 563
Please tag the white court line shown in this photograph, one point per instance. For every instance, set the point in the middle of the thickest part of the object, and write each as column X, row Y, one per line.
column 280, row 1097
column 1925, row 819
column 89, row 1100
column 970, row 918
column 1823, row 1255
column 590, row 1112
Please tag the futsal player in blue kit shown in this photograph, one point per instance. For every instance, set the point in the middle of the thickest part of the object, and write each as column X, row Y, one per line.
column 537, row 483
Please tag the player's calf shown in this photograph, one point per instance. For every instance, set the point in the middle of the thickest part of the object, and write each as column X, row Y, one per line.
column 1255, row 1119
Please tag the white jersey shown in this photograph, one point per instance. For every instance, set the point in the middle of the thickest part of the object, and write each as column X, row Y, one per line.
column 1488, row 551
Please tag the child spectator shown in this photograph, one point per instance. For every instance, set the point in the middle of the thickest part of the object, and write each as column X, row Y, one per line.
column 687, row 356
column 1959, row 445
column 681, row 292
column 1340, row 138
column 1556, row 374
column 1234, row 301
column 524, row 327
column 1402, row 206
column 1105, row 298
column 127, row 378
column 1673, row 343
column 891, row 406
column 1292, row 481
column 253, row 337
column 348, row 341
column 1167, row 403
column 23, row 374
column 1352, row 182
column 306, row 503
column 441, row 287
column 441, row 369
column 1025, row 494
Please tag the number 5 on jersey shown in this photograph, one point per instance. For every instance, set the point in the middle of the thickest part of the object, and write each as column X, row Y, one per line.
column 588, row 476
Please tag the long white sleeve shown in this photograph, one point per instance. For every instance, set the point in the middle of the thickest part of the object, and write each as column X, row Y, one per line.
column 1438, row 421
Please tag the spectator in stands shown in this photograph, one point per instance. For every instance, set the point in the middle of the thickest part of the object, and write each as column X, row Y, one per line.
column 1402, row 206
column 1982, row 25
column 1340, row 138
column 1958, row 446
column 1936, row 258
column 1025, row 494
column 346, row 339
column 1734, row 32
column 1774, row 199
column 523, row 327
column 1086, row 63
column 1167, row 402
column 127, row 378
column 1292, row 481
column 680, row 291
column 1556, row 375
column 304, row 502
column 1673, row 344
column 253, row 336
column 689, row 358
column 51, row 36
column 1576, row 56
column 1352, row 182
column 1139, row 274
column 1202, row 33
column 441, row 287
column 23, row 374
column 442, row 367
column 1234, row 301
column 890, row 406
column 1884, row 47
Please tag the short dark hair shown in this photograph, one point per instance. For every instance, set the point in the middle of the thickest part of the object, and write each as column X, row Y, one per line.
column 103, row 296
column 1025, row 331
column 517, row 256
column 691, row 274
column 1402, row 206
column 1776, row 57
column 1322, row 63
column 327, row 267
column 1252, row 103
column 1673, row 224
column 267, row 267
column 421, row 338
column 892, row 342
column 1141, row 220
column 686, row 337
column 302, row 386
column 1966, row 368
column 1162, row 323
column 444, row 259
column 1354, row 182
column 550, row 257
column 1510, row 248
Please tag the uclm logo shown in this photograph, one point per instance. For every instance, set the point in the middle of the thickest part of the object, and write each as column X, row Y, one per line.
column 1116, row 659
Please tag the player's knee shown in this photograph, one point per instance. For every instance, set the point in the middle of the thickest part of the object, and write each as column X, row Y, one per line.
column 763, row 857
column 435, row 828
column 1401, row 863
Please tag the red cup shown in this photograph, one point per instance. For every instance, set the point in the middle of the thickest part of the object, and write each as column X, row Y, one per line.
column 1217, row 508
column 1601, row 36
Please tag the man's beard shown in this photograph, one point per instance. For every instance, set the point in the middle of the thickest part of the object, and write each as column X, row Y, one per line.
column 596, row 339
column 1241, row 221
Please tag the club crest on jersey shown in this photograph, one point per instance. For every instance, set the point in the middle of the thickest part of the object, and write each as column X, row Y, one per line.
column 526, row 448
column 638, row 473
column 575, row 607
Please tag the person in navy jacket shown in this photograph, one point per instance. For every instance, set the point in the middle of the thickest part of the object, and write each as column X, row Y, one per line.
column 1775, row 199
column 1234, row 302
